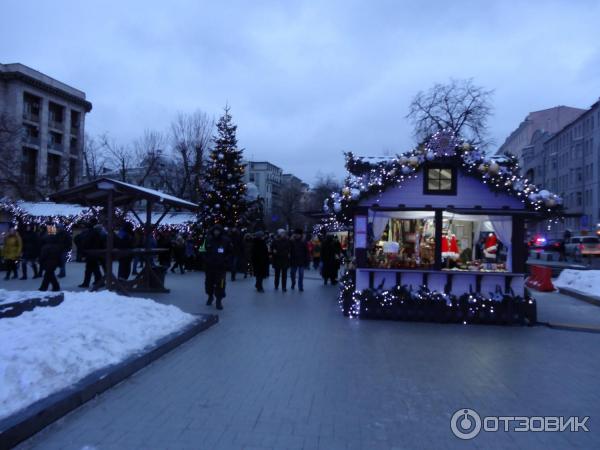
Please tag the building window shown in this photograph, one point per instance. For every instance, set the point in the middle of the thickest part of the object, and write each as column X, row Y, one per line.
column 55, row 115
column 72, row 172
column 29, row 166
column 56, row 141
column 75, row 124
column 31, row 107
column 74, row 147
column 440, row 180
column 53, row 171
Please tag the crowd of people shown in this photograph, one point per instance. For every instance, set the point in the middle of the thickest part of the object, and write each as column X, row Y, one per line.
column 253, row 254
column 46, row 248
column 43, row 248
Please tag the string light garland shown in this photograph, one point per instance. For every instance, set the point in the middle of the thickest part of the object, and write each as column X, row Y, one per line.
column 422, row 304
column 501, row 174
column 21, row 216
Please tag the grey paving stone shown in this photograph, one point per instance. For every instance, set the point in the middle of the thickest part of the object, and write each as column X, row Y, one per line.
column 291, row 372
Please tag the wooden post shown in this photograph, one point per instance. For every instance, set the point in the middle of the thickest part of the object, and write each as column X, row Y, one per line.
column 148, row 226
column 109, row 238
column 439, row 219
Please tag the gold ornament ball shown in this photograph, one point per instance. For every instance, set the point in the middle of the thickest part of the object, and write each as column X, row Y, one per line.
column 466, row 146
column 494, row 167
column 413, row 161
column 482, row 168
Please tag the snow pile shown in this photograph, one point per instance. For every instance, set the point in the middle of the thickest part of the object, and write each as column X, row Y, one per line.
column 19, row 296
column 48, row 349
column 586, row 281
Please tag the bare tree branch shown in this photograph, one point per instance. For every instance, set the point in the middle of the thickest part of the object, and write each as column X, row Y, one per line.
column 148, row 154
column 190, row 141
column 322, row 189
column 94, row 159
column 458, row 105
column 119, row 156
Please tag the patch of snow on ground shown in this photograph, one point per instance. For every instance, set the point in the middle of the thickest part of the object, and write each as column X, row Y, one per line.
column 48, row 349
column 17, row 296
column 586, row 281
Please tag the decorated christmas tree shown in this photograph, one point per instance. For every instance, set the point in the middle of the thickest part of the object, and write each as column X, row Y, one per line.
column 224, row 201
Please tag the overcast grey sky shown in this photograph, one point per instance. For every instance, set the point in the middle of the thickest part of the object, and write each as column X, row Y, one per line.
column 306, row 80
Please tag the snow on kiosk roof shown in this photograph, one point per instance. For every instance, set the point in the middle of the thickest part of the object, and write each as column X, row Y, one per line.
column 95, row 193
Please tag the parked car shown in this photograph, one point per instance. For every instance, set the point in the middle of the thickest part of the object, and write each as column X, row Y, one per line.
column 537, row 243
column 578, row 246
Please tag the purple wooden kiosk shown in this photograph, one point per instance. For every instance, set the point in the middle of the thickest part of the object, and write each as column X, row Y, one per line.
column 437, row 229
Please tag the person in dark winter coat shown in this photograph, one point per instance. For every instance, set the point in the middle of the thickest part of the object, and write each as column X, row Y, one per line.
column 77, row 240
column 124, row 241
column 92, row 240
column 31, row 251
column 178, row 246
column 299, row 259
column 217, row 259
column 248, row 255
column 50, row 258
column 66, row 242
column 164, row 241
column 280, row 249
column 237, row 251
column 260, row 259
column 331, row 255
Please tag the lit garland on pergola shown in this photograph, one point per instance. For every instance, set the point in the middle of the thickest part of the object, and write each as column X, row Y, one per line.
column 21, row 216
column 501, row 174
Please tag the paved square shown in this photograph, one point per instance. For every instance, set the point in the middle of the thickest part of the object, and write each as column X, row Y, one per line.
column 289, row 371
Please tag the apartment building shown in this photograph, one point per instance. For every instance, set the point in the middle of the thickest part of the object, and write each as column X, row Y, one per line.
column 50, row 119
column 550, row 120
column 570, row 166
column 267, row 178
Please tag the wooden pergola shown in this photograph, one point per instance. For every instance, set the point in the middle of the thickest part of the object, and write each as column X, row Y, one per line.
column 109, row 194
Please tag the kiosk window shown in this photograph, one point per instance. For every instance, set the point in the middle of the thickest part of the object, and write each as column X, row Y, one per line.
column 440, row 180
